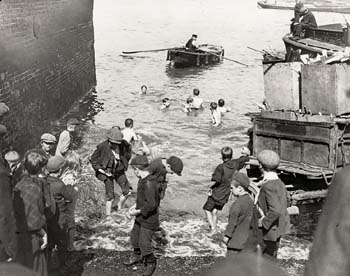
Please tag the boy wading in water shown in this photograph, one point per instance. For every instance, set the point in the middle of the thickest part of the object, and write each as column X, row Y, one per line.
column 219, row 193
column 146, row 215
column 242, row 227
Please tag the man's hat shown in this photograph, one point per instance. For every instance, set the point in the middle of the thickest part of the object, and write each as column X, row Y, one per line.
column 3, row 109
column 139, row 160
column 114, row 135
column 269, row 159
column 12, row 156
column 194, row 35
column 3, row 130
column 48, row 138
column 55, row 163
column 73, row 122
column 176, row 164
column 241, row 179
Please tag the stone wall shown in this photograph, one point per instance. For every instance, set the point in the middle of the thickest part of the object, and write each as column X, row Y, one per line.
column 47, row 63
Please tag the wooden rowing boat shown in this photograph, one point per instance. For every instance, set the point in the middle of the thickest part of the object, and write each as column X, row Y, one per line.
column 338, row 9
column 206, row 54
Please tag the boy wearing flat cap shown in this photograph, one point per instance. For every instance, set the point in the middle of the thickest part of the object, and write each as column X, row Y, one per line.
column 110, row 161
column 272, row 203
column 240, row 231
column 47, row 143
column 63, row 195
column 160, row 167
column 65, row 140
column 146, row 215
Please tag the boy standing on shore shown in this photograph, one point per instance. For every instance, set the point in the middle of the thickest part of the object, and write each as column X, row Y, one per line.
column 219, row 193
column 146, row 216
column 242, row 223
column 65, row 140
column 129, row 134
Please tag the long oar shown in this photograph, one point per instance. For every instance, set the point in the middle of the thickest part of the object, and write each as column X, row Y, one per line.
column 147, row 51
column 238, row 62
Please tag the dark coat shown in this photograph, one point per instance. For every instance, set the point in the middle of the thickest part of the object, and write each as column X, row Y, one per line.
column 240, row 225
column 148, row 200
column 331, row 246
column 274, row 202
column 190, row 45
column 7, row 218
column 103, row 157
column 308, row 20
column 222, row 176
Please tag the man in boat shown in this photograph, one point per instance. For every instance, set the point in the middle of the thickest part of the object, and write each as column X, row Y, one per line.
column 192, row 43
column 296, row 19
column 307, row 21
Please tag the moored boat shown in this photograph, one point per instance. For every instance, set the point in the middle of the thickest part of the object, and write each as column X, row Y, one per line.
column 338, row 9
column 328, row 39
column 205, row 55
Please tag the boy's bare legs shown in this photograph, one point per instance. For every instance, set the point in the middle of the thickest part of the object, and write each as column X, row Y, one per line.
column 215, row 220
column 211, row 221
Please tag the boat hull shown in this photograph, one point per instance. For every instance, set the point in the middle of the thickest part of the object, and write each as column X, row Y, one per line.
column 345, row 9
column 182, row 58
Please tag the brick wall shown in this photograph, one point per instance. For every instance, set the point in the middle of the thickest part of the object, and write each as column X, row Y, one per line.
column 46, row 63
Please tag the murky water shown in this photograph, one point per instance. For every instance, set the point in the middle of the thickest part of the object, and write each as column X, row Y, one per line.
column 142, row 24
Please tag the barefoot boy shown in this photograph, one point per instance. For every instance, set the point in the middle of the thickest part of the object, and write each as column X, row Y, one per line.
column 220, row 191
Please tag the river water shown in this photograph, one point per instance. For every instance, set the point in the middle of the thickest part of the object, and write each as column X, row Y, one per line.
column 143, row 24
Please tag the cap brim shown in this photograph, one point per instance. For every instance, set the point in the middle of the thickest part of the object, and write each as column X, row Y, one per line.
column 178, row 173
column 115, row 142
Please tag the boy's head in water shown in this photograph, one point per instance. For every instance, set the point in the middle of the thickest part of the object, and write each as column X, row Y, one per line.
column 129, row 123
column 143, row 89
column 189, row 100
column 213, row 106
column 221, row 102
column 196, row 92
column 166, row 103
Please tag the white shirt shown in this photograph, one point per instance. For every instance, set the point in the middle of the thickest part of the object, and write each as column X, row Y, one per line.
column 216, row 118
column 129, row 135
column 222, row 109
column 197, row 102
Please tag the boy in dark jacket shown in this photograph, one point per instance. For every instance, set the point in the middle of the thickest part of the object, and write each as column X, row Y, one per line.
column 240, row 231
column 146, row 215
column 110, row 162
column 219, row 193
column 57, row 226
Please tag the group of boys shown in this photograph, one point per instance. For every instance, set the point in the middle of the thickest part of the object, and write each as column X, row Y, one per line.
column 259, row 220
column 36, row 210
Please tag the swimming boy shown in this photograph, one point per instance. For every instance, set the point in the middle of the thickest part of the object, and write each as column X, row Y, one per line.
column 240, row 232
column 143, row 90
column 166, row 103
column 219, row 193
column 215, row 114
column 221, row 106
column 189, row 105
column 129, row 134
column 197, row 101
column 146, row 215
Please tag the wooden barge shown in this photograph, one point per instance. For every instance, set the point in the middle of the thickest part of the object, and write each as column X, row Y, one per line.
column 204, row 55
column 337, row 9
column 326, row 39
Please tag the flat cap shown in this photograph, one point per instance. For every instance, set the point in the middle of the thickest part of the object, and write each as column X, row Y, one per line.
column 12, row 156
column 269, row 159
column 3, row 130
column 114, row 135
column 139, row 160
column 176, row 164
column 241, row 179
column 48, row 138
column 3, row 109
column 73, row 122
column 55, row 163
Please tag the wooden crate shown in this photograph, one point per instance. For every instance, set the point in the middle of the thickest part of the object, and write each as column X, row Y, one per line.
column 282, row 85
column 326, row 88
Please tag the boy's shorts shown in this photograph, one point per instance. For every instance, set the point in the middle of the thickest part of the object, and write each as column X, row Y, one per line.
column 123, row 182
column 211, row 204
